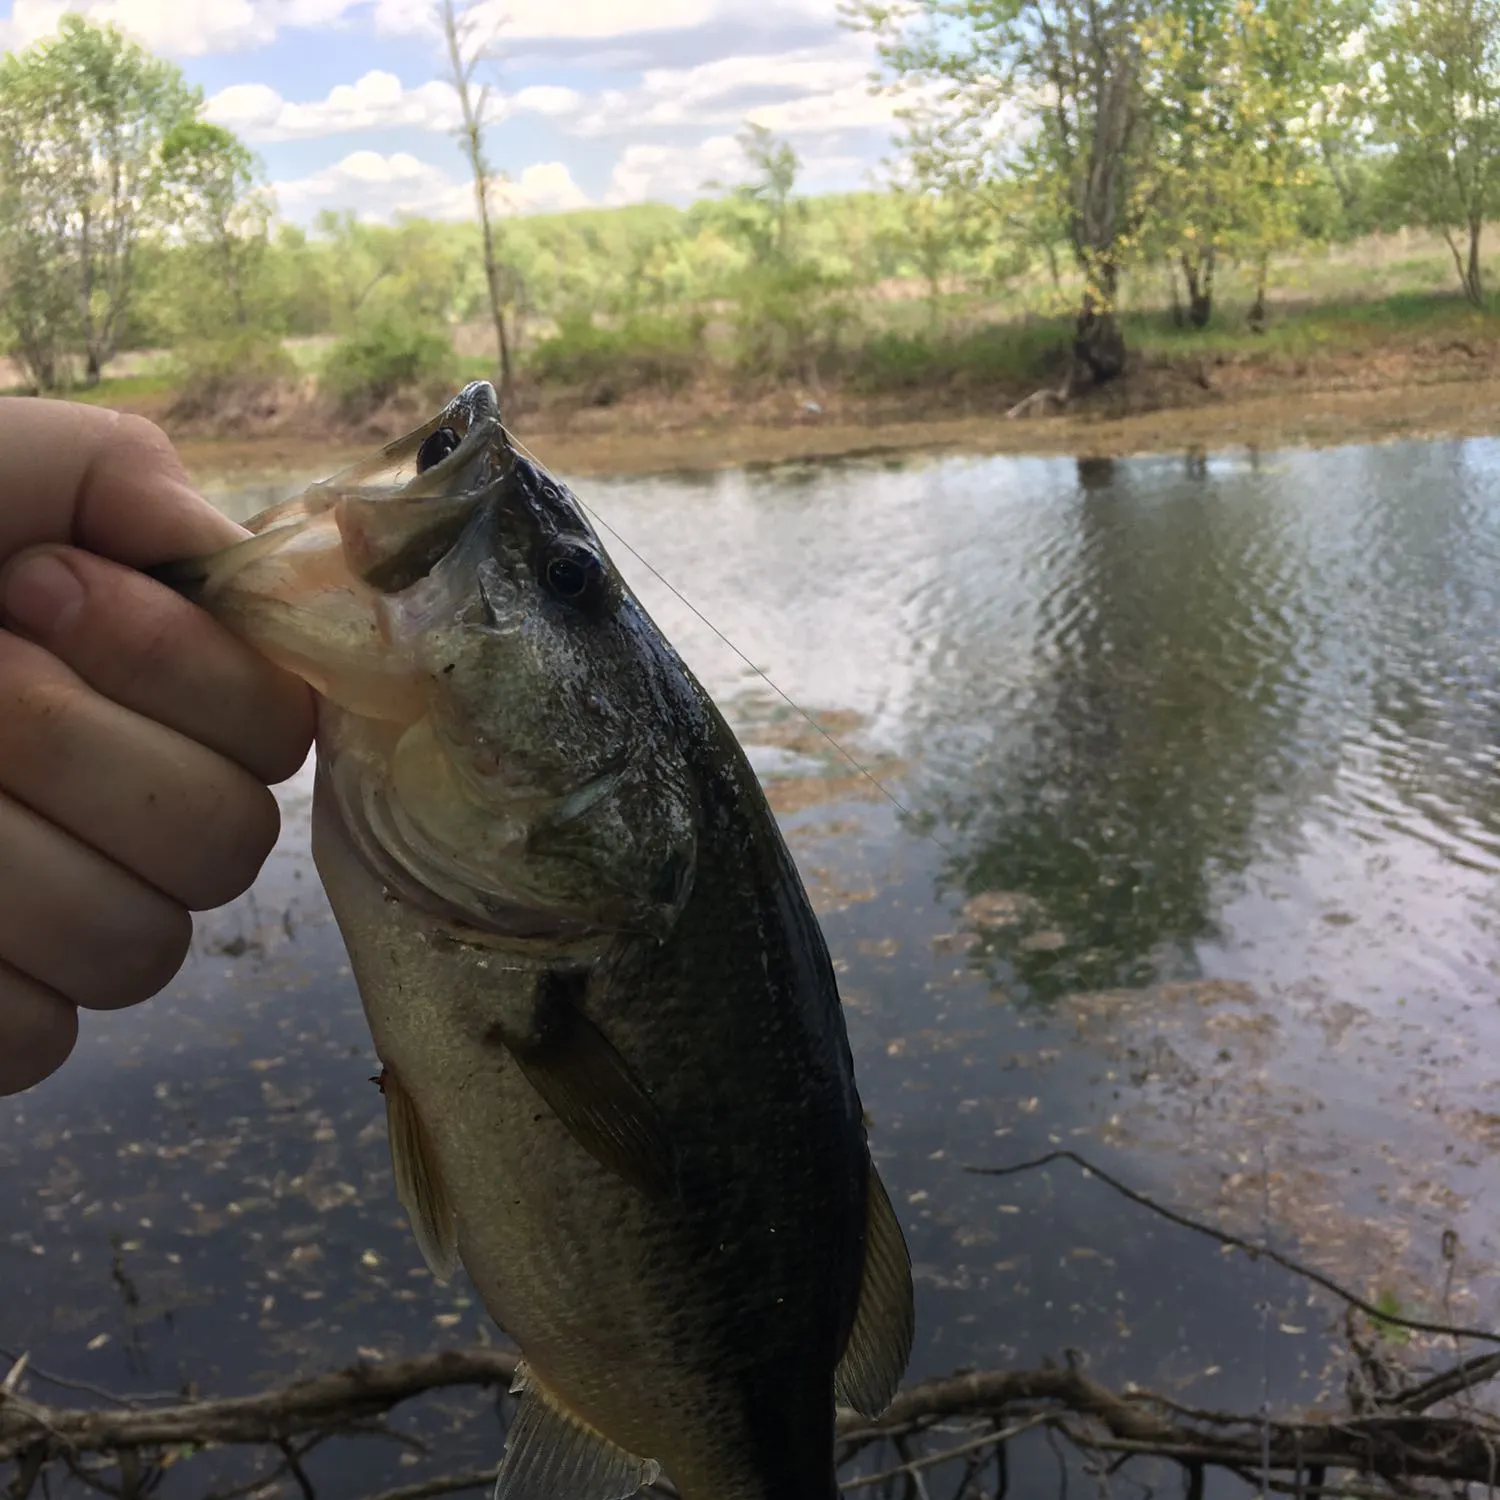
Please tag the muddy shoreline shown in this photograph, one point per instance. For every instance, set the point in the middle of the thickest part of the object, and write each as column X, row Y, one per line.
column 1223, row 404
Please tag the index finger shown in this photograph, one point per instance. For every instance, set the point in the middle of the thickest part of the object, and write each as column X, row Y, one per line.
column 101, row 480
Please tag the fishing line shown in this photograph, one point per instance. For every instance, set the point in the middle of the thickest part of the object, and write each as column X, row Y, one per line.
column 786, row 697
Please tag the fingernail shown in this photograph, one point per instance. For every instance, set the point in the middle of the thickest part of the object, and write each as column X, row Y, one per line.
column 40, row 594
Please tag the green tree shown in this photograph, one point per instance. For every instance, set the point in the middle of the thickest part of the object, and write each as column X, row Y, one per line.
column 85, row 115
column 787, row 310
column 1438, row 63
column 763, row 210
column 1236, row 93
column 39, row 306
column 936, row 231
column 1047, row 92
column 218, row 202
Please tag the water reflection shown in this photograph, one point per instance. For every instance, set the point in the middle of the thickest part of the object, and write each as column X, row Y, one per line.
column 1159, row 748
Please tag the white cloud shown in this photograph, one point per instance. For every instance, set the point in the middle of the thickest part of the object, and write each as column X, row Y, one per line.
column 180, row 28
column 545, row 99
column 679, row 174
column 377, row 187
column 544, row 187
column 258, row 113
column 673, row 174
column 190, row 28
column 852, row 107
column 592, row 20
column 377, row 101
column 810, row 89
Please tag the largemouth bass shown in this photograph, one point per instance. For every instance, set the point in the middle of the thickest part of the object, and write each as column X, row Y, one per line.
column 618, row 1084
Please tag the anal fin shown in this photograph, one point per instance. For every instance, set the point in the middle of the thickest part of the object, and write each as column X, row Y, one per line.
column 879, row 1345
column 551, row 1454
column 419, row 1180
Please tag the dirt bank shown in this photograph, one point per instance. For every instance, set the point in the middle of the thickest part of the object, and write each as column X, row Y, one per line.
column 1420, row 389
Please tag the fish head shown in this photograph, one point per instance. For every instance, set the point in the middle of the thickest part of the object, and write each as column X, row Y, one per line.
column 503, row 727
column 549, row 712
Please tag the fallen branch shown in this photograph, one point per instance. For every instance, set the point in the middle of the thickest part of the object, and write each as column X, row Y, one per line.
column 308, row 1406
column 1392, row 1446
column 1389, row 1442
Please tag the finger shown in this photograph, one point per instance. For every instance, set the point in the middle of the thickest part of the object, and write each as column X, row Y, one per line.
column 38, row 1029
column 75, row 922
column 165, row 808
column 105, row 481
column 149, row 650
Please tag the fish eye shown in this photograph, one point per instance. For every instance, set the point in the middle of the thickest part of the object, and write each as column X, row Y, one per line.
column 436, row 446
column 573, row 573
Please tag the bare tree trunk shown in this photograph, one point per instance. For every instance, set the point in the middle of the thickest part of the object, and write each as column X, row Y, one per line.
column 1256, row 317
column 1198, row 272
column 1053, row 269
column 1098, row 343
column 472, row 137
column 1468, row 271
column 86, row 302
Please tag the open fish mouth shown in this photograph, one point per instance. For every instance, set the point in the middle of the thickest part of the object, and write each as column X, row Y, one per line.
column 459, row 452
column 446, row 466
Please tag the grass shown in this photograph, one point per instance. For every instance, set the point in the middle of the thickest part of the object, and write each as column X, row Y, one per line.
column 1400, row 318
column 113, row 390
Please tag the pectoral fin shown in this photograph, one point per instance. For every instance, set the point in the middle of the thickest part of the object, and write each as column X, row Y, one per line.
column 880, row 1343
column 551, row 1454
column 419, row 1180
column 591, row 1088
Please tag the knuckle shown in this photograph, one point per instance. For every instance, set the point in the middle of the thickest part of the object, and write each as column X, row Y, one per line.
column 37, row 707
column 156, row 644
column 137, row 438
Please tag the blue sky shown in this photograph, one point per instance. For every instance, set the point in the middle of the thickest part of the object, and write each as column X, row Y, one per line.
column 598, row 101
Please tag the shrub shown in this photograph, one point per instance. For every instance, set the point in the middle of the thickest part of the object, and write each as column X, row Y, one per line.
column 392, row 353
column 1006, row 356
column 643, row 350
column 789, row 319
column 213, row 374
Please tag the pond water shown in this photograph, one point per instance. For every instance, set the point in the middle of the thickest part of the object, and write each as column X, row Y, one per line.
column 1183, row 856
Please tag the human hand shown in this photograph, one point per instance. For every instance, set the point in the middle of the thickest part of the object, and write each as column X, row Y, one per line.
column 137, row 736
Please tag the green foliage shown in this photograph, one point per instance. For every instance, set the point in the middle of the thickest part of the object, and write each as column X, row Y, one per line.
column 392, row 352
column 1439, row 111
column 762, row 213
column 1004, row 356
column 84, row 118
column 1129, row 131
column 1389, row 1304
column 212, row 374
column 643, row 350
column 1059, row 156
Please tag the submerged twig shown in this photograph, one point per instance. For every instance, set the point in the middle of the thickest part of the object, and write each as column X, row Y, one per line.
column 1250, row 1247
